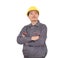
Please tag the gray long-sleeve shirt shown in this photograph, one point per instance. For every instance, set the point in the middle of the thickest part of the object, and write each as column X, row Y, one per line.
column 33, row 48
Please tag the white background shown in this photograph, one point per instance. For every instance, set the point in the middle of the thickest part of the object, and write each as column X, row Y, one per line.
column 13, row 18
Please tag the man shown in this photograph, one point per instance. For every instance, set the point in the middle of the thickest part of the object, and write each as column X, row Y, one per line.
column 33, row 36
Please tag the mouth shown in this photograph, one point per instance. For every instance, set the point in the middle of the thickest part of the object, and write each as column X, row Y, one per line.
column 33, row 17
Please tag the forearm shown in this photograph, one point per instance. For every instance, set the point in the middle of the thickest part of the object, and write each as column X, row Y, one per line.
column 23, row 40
column 38, row 42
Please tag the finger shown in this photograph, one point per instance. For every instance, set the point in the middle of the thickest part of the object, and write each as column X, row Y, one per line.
column 23, row 35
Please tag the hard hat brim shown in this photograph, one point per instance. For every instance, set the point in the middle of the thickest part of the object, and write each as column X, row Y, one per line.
column 32, row 10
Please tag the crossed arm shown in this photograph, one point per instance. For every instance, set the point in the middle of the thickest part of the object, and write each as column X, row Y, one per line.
column 38, row 40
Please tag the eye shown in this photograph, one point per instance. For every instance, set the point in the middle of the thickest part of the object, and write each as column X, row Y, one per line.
column 31, row 13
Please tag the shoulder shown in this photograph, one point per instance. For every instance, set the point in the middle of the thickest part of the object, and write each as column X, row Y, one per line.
column 43, row 26
column 25, row 27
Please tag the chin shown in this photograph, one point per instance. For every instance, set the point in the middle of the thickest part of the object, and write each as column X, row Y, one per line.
column 34, row 19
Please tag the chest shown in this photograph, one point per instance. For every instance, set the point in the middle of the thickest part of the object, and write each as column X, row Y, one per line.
column 34, row 31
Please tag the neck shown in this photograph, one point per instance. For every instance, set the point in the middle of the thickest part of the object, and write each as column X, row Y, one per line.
column 34, row 22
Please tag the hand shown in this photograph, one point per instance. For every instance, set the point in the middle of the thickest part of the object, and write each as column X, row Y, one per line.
column 34, row 38
column 23, row 35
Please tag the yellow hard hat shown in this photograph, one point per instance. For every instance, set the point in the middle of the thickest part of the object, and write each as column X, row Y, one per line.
column 32, row 8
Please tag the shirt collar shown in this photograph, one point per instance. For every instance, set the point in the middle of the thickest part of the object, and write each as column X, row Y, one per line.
column 37, row 24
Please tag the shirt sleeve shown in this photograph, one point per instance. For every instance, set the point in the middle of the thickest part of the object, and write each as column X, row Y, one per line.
column 42, row 39
column 21, row 39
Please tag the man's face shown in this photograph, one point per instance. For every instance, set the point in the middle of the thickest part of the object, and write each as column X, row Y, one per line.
column 33, row 15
